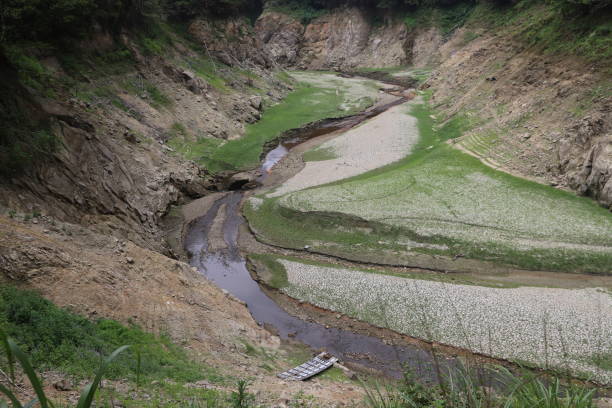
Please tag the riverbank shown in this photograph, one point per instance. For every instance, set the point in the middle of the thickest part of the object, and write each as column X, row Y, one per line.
column 556, row 329
column 440, row 209
column 449, row 194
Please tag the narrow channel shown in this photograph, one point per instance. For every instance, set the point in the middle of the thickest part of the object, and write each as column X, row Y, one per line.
column 227, row 268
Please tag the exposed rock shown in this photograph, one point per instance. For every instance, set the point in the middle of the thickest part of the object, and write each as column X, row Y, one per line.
column 63, row 385
column 585, row 155
column 341, row 39
column 231, row 41
column 256, row 102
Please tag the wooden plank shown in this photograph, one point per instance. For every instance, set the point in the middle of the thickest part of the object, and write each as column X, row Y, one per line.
column 312, row 367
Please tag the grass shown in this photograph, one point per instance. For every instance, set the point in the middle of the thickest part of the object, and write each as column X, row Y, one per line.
column 208, row 70
column 462, row 389
column 447, row 202
column 299, row 11
column 304, row 105
column 545, row 28
column 147, row 90
column 277, row 274
column 56, row 339
column 447, row 19
column 14, row 354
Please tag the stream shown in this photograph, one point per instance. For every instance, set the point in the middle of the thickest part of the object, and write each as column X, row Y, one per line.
column 227, row 268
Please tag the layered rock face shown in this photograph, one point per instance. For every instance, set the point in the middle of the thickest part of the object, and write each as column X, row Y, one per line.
column 231, row 41
column 585, row 156
column 114, row 171
column 343, row 39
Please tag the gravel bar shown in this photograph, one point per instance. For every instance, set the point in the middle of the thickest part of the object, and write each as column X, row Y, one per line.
column 549, row 327
column 382, row 140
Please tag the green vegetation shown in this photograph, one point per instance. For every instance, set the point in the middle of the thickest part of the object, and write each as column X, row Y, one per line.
column 440, row 201
column 447, row 18
column 278, row 274
column 461, row 389
column 560, row 27
column 25, row 138
column 13, row 352
column 146, row 90
column 55, row 338
column 207, row 69
column 304, row 105
column 31, row 72
column 300, row 10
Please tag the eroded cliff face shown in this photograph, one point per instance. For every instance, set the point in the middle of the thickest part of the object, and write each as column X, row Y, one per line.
column 114, row 171
column 343, row 39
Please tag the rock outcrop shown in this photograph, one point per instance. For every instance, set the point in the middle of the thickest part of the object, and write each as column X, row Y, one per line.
column 343, row 39
column 114, row 171
column 231, row 41
column 585, row 156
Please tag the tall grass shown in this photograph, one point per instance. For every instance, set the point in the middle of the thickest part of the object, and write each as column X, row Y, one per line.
column 465, row 390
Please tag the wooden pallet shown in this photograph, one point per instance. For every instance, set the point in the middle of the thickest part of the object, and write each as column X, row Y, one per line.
column 304, row 371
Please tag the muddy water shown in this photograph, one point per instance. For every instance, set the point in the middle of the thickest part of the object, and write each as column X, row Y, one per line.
column 228, row 270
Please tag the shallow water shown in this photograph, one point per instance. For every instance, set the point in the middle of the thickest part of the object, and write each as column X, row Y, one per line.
column 227, row 269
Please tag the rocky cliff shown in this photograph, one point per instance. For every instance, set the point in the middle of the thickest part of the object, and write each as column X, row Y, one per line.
column 344, row 39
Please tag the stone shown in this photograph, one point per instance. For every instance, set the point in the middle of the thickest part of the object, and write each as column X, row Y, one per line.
column 63, row 385
column 256, row 102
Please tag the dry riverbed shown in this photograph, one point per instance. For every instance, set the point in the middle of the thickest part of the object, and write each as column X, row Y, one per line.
column 547, row 327
column 384, row 139
column 442, row 204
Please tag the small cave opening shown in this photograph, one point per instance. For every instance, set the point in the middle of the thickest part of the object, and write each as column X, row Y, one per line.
column 238, row 184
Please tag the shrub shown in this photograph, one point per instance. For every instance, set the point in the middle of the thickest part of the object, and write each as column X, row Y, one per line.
column 56, row 338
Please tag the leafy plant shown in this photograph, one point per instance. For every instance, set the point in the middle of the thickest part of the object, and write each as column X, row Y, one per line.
column 14, row 353
column 241, row 398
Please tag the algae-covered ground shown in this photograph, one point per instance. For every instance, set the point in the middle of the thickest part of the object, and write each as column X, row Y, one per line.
column 317, row 95
column 437, row 202
column 561, row 329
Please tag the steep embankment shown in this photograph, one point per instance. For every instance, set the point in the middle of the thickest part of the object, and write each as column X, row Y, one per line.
column 113, row 111
column 128, row 116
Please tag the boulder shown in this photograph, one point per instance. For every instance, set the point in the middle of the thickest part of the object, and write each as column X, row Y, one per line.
column 256, row 102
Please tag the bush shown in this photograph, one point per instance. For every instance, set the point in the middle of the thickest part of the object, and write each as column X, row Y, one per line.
column 56, row 338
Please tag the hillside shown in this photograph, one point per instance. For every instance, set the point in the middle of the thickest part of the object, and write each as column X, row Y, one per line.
column 485, row 152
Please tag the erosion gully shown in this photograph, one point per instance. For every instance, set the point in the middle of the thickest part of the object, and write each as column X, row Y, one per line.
column 227, row 268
